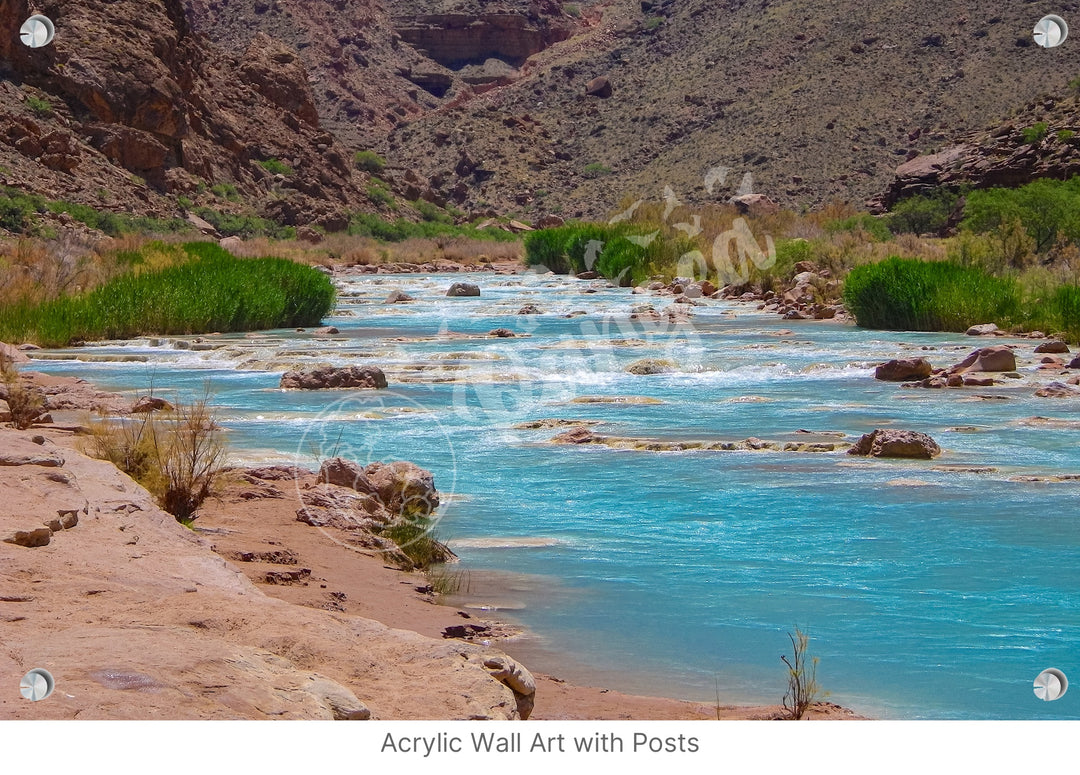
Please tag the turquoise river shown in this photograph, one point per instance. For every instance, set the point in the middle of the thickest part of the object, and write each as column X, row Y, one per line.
column 930, row 589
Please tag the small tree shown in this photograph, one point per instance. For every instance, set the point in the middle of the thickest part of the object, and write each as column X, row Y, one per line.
column 803, row 687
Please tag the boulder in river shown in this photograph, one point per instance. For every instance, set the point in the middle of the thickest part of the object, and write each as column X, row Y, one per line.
column 1057, row 390
column 146, row 404
column 903, row 370
column 996, row 358
column 648, row 366
column 463, row 289
column 327, row 377
column 896, row 443
column 983, row 329
column 1055, row 346
column 398, row 297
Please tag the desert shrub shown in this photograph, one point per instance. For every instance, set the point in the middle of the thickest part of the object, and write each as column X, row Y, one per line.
column 922, row 214
column 380, row 195
column 25, row 404
column 401, row 229
column 595, row 170
column 226, row 191
column 369, row 161
column 913, row 295
column 177, row 456
column 432, row 212
column 1065, row 135
column 803, row 688
column 276, row 167
column 1035, row 133
column 40, row 106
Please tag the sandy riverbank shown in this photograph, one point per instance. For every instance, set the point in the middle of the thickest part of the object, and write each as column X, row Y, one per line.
column 139, row 617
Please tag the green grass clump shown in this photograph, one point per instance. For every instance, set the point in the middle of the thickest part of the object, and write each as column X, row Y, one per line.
column 1066, row 304
column 212, row 291
column 1065, row 135
column 276, row 167
column 369, row 161
column 547, row 248
column 913, row 295
column 417, row 542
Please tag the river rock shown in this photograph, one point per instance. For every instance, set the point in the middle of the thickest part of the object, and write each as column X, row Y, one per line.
column 648, row 366
column 996, row 358
column 577, row 436
column 983, row 329
column 328, row 377
column 12, row 353
column 903, row 370
column 1056, row 346
column 502, row 333
column 326, row 331
column 896, row 443
column 399, row 297
column 530, row 309
column 146, row 404
column 589, row 275
column 404, row 487
column 1057, row 390
column 401, row 487
column 463, row 289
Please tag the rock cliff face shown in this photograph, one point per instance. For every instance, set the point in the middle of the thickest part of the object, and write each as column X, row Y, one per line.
column 129, row 108
column 512, row 106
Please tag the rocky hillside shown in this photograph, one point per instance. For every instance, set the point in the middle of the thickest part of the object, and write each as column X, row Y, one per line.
column 1038, row 140
column 522, row 107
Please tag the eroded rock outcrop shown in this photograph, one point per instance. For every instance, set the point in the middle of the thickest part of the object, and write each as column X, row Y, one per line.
column 329, row 377
column 896, row 443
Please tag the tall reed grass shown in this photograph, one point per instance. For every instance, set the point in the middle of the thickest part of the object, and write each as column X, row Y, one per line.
column 211, row 291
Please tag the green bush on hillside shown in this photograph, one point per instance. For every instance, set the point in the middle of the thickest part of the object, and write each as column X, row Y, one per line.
column 922, row 214
column 213, row 291
column 912, row 295
column 369, row 161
